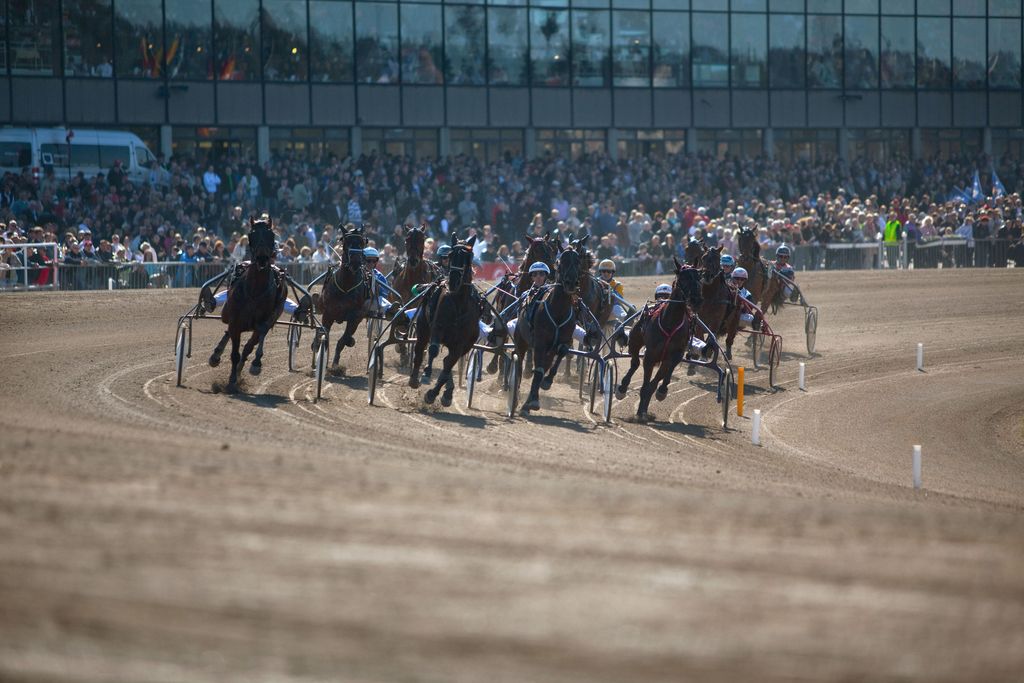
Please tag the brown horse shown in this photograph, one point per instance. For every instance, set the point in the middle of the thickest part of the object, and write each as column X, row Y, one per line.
column 750, row 259
column 665, row 331
column 255, row 301
column 414, row 270
column 346, row 290
column 540, row 249
column 454, row 321
column 594, row 293
column 719, row 309
column 693, row 252
column 547, row 329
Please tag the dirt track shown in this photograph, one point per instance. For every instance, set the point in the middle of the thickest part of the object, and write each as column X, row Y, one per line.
column 149, row 532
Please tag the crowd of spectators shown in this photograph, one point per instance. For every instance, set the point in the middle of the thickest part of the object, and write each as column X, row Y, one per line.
column 192, row 210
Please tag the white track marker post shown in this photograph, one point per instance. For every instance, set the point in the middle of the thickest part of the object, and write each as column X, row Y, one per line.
column 803, row 384
column 917, row 467
column 920, row 357
column 755, row 435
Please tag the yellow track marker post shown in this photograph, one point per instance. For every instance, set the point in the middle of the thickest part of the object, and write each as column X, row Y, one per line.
column 739, row 391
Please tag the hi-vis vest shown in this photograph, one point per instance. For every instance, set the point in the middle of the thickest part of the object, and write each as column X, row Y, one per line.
column 892, row 231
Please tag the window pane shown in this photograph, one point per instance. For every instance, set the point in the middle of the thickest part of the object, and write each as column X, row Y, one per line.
column 898, row 6
column 789, row 5
column 1004, row 8
column 376, row 42
column 549, row 46
column 749, row 50
column 824, row 5
column 671, row 4
column 465, row 39
column 671, row 33
column 861, row 63
column 87, row 44
column 507, row 51
column 824, row 51
column 862, row 6
column 331, row 48
column 111, row 153
column 285, row 53
column 933, row 7
column 140, row 48
column 969, row 53
column 786, row 57
column 421, row 44
column 969, row 8
column 35, row 37
column 710, row 50
column 1004, row 53
column 590, row 63
column 632, row 48
column 236, row 27
column 897, row 54
column 189, row 31
column 933, row 68
column 749, row 5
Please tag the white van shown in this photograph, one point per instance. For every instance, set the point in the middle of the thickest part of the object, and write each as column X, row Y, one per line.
column 92, row 152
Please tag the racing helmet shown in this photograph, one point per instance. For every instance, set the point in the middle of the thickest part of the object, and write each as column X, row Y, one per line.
column 606, row 264
column 783, row 250
column 739, row 274
column 728, row 260
column 444, row 251
column 540, row 267
column 370, row 252
column 664, row 289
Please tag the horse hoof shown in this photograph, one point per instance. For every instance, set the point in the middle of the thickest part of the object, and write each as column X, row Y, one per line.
column 429, row 397
column 214, row 361
column 531, row 405
column 231, row 388
column 349, row 341
column 728, row 354
column 446, row 400
column 425, row 379
column 620, row 394
column 545, row 383
column 414, row 383
column 255, row 369
column 690, row 372
column 661, row 393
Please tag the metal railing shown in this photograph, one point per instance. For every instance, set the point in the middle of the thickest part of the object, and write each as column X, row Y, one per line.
column 19, row 274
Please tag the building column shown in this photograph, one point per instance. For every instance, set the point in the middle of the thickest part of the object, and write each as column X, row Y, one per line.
column 166, row 141
column 444, row 142
column 530, row 143
column 355, row 141
column 768, row 143
column 262, row 144
column 986, row 141
column 844, row 144
column 915, row 143
column 613, row 143
column 691, row 140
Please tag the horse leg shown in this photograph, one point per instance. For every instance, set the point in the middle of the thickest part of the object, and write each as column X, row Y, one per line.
column 250, row 344
column 634, row 363
column 327, row 323
column 533, row 399
column 444, row 378
column 236, row 358
column 731, row 329
column 563, row 349
column 256, row 367
column 219, row 350
column 417, row 359
column 662, row 391
column 352, row 324
column 646, row 390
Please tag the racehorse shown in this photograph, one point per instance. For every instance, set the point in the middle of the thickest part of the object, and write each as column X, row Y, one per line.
column 541, row 249
column 345, row 290
column 414, row 270
column 719, row 309
column 594, row 293
column 255, row 301
column 665, row 330
column 547, row 329
column 454, row 322
column 750, row 259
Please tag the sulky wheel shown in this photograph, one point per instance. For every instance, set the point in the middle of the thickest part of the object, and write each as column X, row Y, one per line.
column 320, row 360
column 471, row 371
column 513, row 386
column 179, row 352
column 726, row 388
column 608, row 386
column 811, row 327
column 774, row 357
column 371, row 376
column 294, row 335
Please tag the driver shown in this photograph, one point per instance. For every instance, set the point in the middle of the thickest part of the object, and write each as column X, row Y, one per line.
column 539, row 273
column 738, row 283
column 663, row 292
column 728, row 263
column 372, row 258
column 782, row 255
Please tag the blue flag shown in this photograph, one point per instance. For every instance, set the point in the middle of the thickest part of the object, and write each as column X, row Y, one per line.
column 998, row 190
column 976, row 194
column 958, row 195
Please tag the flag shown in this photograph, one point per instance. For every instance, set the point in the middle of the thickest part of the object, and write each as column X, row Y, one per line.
column 976, row 194
column 998, row 189
column 958, row 195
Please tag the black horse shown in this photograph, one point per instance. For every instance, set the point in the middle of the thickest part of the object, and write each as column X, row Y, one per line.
column 255, row 301
column 346, row 290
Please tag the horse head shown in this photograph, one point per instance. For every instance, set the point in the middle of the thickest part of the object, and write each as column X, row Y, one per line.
column 353, row 242
column 748, row 244
column 686, row 286
column 711, row 264
column 539, row 250
column 460, row 269
column 694, row 252
column 569, row 265
column 415, row 238
column 262, row 241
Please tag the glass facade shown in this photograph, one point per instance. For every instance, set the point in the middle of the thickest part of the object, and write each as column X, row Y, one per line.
column 817, row 44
